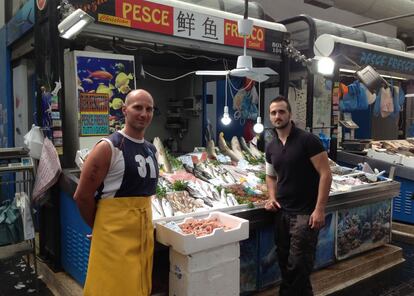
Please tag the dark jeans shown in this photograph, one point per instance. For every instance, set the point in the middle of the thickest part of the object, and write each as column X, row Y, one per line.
column 296, row 246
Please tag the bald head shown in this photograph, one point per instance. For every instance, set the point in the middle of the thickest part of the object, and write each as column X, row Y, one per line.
column 137, row 94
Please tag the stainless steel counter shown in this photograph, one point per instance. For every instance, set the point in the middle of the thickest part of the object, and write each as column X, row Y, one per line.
column 353, row 160
column 258, row 216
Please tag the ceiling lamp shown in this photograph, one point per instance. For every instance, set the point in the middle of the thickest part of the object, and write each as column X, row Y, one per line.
column 258, row 127
column 226, row 120
column 74, row 23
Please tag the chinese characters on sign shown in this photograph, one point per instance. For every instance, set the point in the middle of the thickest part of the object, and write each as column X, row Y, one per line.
column 189, row 24
column 180, row 22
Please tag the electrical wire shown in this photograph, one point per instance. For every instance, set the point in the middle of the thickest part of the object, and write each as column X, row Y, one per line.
column 169, row 79
column 189, row 57
column 242, row 88
column 225, row 93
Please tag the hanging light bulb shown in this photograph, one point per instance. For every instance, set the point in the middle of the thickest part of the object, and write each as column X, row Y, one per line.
column 258, row 127
column 226, row 120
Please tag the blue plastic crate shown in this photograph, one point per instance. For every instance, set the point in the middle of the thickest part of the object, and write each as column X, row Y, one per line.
column 325, row 249
column 402, row 209
column 248, row 264
column 75, row 244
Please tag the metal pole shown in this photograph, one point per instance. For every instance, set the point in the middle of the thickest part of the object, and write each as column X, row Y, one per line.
column 384, row 20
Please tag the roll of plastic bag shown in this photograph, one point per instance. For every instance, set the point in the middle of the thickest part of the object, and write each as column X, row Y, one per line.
column 34, row 141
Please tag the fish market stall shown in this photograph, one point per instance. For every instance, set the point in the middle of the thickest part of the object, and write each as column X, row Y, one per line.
column 351, row 118
column 358, row 214
column 159, row 46
column 196, row 177
column 392, row 165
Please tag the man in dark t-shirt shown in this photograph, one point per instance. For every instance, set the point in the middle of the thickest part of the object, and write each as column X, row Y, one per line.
column 298, row 178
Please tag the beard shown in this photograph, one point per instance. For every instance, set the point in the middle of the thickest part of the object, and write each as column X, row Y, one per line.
column 282, row 126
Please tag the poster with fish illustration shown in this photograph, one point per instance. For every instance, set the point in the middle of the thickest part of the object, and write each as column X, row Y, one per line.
column 112, row 75
column 363, row 228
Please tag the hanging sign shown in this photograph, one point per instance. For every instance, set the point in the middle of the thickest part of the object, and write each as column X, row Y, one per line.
column 378, row 60
column 179, row 22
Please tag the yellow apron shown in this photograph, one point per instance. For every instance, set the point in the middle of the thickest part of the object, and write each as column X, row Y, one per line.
column 120, row 259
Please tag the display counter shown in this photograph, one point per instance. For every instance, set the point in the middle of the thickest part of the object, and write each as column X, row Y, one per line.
column 403, row 203
column 356, row 221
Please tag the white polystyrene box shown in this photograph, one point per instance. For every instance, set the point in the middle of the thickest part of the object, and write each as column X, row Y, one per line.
column 387, row 157
column 221, row 280
column 188, row 243
column 407, row 161
column 205, row 259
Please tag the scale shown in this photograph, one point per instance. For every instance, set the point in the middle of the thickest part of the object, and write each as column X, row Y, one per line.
column 348, row 142
column 348, row 123
column 15, row 158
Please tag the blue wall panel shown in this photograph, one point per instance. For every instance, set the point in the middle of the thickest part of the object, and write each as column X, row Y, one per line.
column 6, row 99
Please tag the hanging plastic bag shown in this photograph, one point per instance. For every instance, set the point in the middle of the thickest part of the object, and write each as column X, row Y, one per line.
column 349, row 101
column 361, row 96
column 377, row 105
column 401, row 98
column 371, row 97
column 34, row 141
column 23, row 203
column 395, row 101
column 387, row 106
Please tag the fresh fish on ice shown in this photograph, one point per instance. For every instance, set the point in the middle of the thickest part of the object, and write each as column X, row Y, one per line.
column 225, row 149
column 167, row 208
column 235, row 146
column 211, row 150
column 162, row 156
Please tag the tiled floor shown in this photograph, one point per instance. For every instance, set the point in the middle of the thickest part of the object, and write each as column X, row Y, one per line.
column 398, row 281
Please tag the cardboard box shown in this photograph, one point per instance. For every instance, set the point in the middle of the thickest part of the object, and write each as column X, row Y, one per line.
column 169, row 234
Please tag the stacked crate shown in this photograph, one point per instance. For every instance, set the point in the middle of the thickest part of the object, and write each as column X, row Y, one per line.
column 206, row 265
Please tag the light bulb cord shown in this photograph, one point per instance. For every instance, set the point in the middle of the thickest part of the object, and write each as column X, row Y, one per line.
column 225, row 91
column 258, row 111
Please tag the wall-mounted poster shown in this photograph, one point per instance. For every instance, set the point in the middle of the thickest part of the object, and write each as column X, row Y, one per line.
column 111, row 75
column 94, row 114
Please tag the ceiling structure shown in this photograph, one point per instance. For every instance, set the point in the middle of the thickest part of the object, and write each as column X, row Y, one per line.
column 376, row 10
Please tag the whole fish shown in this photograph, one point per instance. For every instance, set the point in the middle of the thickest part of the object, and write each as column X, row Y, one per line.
column 256, row 152
column 225, row 149
column 162, row 156
column 223, row 198
column 156, row 206
column 233, row 199
column 211, row 150
column 235, row 146
column 244, row 146
column 167, row 208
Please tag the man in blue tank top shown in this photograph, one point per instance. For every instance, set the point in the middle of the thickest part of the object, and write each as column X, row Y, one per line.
column 114, row 197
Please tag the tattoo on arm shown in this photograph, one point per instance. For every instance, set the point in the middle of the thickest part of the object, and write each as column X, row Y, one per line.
column 93, row 174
